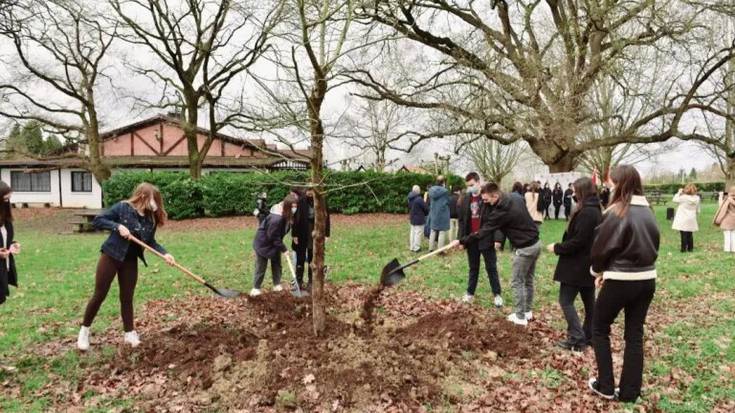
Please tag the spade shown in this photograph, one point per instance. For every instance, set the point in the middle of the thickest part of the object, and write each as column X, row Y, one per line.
column 222, row 292
column 393, row 272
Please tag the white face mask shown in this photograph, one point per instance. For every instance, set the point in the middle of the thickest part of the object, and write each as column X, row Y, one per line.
column 293, row 210
column 152, row 205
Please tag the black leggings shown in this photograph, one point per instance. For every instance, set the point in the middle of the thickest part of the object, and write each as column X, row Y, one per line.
column 127, row 277
column 687, row 241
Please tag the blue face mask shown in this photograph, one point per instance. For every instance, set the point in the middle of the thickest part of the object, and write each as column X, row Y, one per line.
column 473, row 190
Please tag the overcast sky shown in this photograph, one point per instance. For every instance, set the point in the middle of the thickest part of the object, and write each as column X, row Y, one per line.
column 117, row 111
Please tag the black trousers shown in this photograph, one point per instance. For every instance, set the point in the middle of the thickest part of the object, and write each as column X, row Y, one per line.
column 304, row 256
column 491, row 267
column 687, row 241
column 567, row 211
column 578, row 334
column 127, row 276
column 557, row 208
column 634, row 298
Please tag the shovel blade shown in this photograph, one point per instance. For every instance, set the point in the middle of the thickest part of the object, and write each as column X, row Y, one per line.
column 226, row 293
column 392, row 274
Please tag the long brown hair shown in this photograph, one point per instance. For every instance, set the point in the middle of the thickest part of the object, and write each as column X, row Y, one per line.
column 6, row 212
column 288, row 202
column 583, row 190
column 141, row 201
column 628, row 183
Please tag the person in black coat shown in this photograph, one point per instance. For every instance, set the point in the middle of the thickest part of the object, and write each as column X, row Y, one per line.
column 302, row 240
column 558, row 198
column 268, row 243
column 573, row 269
column 605, row 197
column 9, row 247
column 546, row 199
column 568, row 194
column 417, row 211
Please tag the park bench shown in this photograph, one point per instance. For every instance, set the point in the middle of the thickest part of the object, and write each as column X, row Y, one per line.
column 82, row 220
column 655, row 196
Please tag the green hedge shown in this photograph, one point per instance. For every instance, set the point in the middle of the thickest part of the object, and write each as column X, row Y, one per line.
column 234, row 193
column 673, row 188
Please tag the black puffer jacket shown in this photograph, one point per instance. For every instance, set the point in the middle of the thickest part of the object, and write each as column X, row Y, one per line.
column 574, row 250
column 511, row 217
column 627, row 248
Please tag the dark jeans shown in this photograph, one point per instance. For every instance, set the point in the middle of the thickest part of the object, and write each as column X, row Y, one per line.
column 491, row 267
column 546, row 212
column 303, row 259
column 633, row 297
column 127, row 277
column 567, row 211
column 687, row 241
column 578, row 334
column 260, row 265
column 557, row 208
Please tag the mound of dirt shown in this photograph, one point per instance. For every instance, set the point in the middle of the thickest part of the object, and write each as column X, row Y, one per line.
column 261, row 354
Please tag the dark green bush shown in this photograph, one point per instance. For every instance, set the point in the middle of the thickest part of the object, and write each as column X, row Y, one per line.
column 234, row 193
column 673, row 188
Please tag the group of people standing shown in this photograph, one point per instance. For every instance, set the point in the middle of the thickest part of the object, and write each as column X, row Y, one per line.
column 613, row 248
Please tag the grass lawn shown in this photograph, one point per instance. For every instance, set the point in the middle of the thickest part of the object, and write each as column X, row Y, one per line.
column 693, row 326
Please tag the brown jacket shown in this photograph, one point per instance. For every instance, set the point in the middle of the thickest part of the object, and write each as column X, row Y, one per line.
column 725, row 216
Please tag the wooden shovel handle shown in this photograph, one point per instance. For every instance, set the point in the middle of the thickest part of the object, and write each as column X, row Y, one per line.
column 290, row 264
column 197, row 278
column 439, row 251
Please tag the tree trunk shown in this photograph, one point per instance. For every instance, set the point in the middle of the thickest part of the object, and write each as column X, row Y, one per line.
column 98, row 168
column 189, row 123
column 320, row 211
column 730, row 176
column 564, row 164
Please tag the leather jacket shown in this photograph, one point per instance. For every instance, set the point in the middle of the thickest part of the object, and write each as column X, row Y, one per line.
column 626, row 248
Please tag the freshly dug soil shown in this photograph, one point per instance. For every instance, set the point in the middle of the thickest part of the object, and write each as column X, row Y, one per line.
column 260, row 354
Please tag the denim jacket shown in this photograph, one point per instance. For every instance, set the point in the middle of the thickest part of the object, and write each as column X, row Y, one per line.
column 142, row 227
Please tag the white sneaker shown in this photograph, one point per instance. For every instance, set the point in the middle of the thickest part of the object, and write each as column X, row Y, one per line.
column 513, row 318
column 83, row 339
column 278, row 288
column 529, row 315
column 498, row 301
column 131, row 337
column 255, row 292
column 468, row 299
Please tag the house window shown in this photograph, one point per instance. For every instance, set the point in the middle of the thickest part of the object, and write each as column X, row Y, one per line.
column 81, row 181
column 30, row 182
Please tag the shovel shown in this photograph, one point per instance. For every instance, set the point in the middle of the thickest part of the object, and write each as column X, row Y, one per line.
column 393, row 272
column 298, row 293
column 222, row 292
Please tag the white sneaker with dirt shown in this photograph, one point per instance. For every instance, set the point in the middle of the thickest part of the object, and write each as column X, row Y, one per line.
column 255, row 292
column 513, row 318
column 529, row 315
column 468, row 299
column 594, row 386
column 278, row 288
column 83, row 339
column 131, row 337
column 498, row 301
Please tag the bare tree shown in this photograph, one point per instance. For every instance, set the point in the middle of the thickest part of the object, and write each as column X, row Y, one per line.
column 204, row 45
column 537, row 62
column 315, row 38
column 373, row 128
column 61, row 46
column 617, row 107
column 492, row 159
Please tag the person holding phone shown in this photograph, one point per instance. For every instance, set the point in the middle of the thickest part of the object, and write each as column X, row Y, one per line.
column 9, row 247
